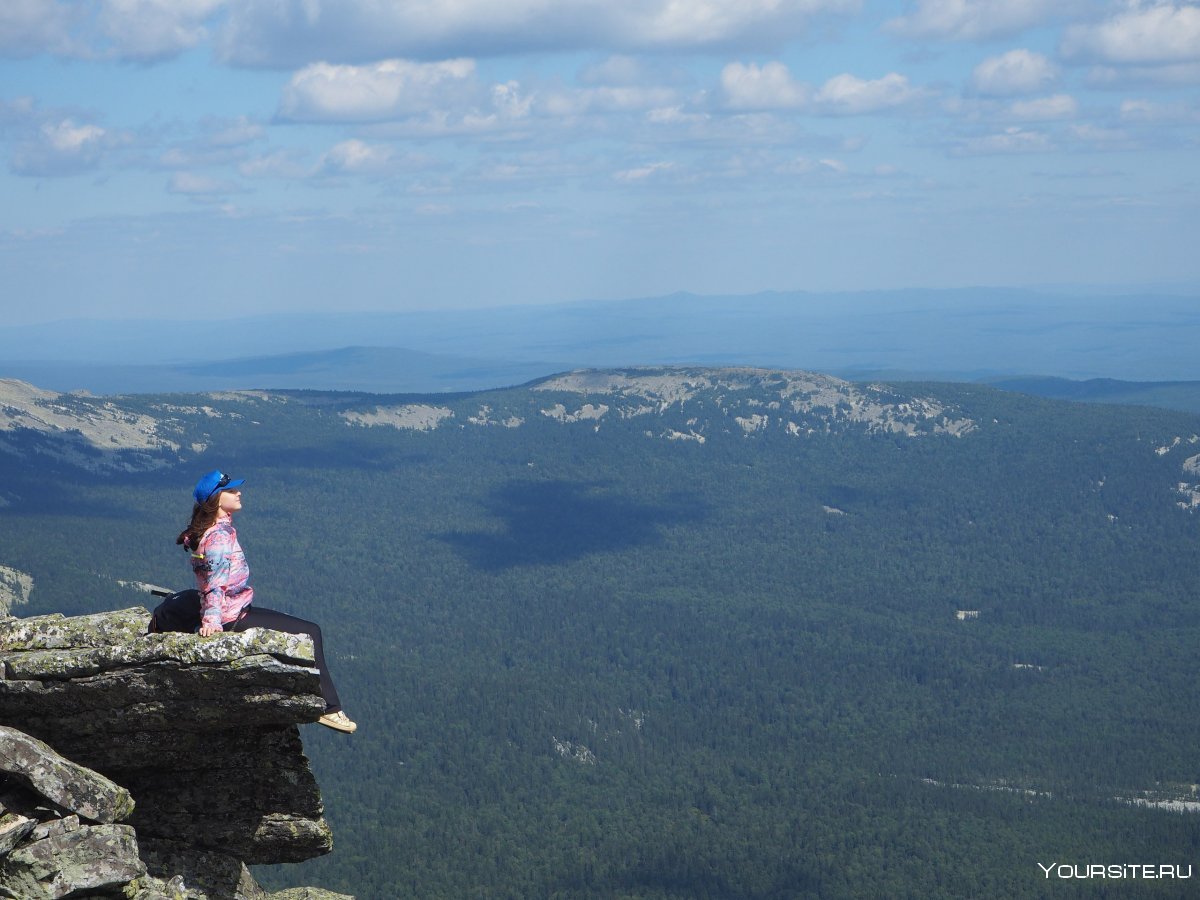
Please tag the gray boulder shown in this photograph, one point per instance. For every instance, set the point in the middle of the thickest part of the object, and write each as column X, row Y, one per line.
column 64, row 783
column 203, row 875
column 96, row 859
column 13, row 828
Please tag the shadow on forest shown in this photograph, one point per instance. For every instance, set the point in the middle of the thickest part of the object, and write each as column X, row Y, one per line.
column 559, row 521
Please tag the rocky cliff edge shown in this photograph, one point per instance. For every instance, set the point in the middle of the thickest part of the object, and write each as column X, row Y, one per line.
column 153, row 766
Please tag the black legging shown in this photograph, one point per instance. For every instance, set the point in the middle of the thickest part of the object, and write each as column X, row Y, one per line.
column 259, row 617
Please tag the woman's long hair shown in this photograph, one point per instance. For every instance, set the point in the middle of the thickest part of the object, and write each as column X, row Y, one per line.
column 204, row 516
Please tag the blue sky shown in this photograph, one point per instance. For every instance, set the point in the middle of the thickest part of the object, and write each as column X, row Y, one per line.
column 190, row 158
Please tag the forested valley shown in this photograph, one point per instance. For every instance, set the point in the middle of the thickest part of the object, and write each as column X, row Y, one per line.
column 591, row 661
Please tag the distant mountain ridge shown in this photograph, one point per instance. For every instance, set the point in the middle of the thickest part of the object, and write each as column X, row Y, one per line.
column 377, row 369
column 679, row 403
column 732, row 400
column 960, row 335
column 674, row 403
column 1181, row 395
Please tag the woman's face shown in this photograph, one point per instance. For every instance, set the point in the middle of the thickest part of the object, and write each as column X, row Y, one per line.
column 231, row 501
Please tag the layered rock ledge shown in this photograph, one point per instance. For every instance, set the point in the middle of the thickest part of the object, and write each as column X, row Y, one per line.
column 190, row 744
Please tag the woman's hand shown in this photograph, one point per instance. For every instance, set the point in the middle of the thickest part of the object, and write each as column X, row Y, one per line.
column 207, row 630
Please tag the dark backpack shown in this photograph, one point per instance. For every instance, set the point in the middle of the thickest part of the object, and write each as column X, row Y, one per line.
column 178, row 612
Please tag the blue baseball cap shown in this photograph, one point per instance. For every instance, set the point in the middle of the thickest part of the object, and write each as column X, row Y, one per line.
column 214, row 481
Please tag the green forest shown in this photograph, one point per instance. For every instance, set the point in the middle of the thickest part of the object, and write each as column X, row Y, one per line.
column 589, row 662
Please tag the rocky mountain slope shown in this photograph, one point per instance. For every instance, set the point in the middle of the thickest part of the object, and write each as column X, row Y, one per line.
column 688, row 404
column 153, row 766
column 139, row 434
column 701, row 401
column 15, row 588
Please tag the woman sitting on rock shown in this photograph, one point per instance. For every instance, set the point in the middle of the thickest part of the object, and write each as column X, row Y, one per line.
column 223, row 580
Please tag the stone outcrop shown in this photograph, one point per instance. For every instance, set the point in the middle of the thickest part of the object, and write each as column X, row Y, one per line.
column 153, row 766
column 15, row 586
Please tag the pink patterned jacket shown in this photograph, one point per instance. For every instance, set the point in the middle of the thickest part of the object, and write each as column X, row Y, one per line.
column 222, row 576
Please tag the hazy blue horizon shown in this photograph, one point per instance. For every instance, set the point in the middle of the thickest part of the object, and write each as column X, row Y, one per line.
column 948, row 335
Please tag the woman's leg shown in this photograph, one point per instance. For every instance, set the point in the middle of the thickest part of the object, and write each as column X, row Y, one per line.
column 258, row 617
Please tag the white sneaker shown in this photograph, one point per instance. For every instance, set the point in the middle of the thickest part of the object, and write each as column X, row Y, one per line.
column 338, row 721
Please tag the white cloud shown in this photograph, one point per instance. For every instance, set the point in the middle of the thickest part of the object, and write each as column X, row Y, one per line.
column 1011, row 140
column 284, row 33
column 352, row 157
column 195, row 185
column 848, row 95
column 974, row 20
column 1102, row 138
column 769, row 86
column 1014, row 72
column 154, row 29
column 698, row 23
column 641, row 173
column 1174, row 75
column 295, row 33
column 68, row 138
column 614, row 70
column 675, row 116
column 1144, row 34
column 500, row 115
column 804, row 166
column 141, row 30
column 603, row 100
column 1059, row 106
column 1139, row 110
column 530, row 169
column 407, row 99
column 622, row 70
column 28, row 27
column 509, row 102
column 60, row 148
column 277, row 164
column 358, row 158
column 1149, row 111
column 16, row 112
column 233, row 132
column 220, row 141
column 391, row 89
